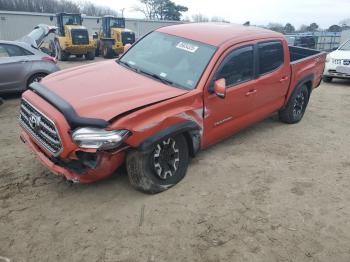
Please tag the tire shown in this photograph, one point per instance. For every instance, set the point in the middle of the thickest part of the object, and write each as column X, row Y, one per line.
column 296, row 106
column 1, row 101
column 90, row 55
column 107, row 52
column 149, row 172
column 327, row 79
column 61, row 54
column 97, row 50
column 36, row 78
column 79, row 56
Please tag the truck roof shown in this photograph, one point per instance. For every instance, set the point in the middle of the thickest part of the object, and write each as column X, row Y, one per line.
column 218, row 33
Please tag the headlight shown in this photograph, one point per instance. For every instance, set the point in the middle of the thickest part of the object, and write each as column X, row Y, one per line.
column 96, row 138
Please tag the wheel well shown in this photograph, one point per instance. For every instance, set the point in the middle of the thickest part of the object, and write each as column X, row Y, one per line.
column 309, row 86
column 32, row 75
column 193, row 140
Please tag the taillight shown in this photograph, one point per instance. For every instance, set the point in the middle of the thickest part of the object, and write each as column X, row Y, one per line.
column 49, row 59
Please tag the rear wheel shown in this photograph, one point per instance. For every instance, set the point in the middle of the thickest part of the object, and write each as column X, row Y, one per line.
column 327, row 79
column 90, row 55
column 36, row 78
column 79, row 56
column 107, row 52
column 296, row 106
column 61, row 54
column 161, row 167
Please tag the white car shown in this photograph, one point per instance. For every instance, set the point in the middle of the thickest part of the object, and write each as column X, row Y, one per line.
column 338, row 63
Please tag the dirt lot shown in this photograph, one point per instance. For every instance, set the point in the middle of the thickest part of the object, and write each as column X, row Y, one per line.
column 274, row 192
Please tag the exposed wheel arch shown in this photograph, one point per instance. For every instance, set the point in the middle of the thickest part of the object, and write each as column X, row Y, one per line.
column 189, row 129
column 32, row 75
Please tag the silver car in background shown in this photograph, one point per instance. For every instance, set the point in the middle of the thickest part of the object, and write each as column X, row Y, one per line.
column 22, row 62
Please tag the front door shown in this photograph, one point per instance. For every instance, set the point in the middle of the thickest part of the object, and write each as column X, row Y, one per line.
column 225, row 116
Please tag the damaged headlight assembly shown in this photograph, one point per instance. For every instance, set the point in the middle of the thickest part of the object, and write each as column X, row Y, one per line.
column 95, row 138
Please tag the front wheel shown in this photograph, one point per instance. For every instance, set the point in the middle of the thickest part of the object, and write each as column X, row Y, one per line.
column 161, row 167
column 296, row 106
column 327, row 79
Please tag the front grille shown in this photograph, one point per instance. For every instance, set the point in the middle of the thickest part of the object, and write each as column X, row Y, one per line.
column 43, row 130
column 80, row 37
column 128, row 38
column 337, row 61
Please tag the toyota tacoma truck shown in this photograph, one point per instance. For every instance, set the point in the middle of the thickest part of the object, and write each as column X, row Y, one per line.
column 177, row 90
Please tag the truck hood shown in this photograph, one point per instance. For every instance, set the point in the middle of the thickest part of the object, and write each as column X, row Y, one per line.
column 105, row 90
column 340, row 54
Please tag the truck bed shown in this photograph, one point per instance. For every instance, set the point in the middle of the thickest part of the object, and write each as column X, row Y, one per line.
column 299, row 53
column 306, row 64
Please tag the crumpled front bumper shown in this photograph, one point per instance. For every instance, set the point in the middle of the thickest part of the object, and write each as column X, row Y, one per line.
column 107, row 163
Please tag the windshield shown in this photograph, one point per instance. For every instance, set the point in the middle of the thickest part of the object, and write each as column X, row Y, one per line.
column 117, row 23
column 346, row 46
column 71, row 20
column 176, row 60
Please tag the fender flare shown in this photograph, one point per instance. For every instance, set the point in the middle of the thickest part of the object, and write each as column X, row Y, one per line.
column 191, row 128
column 304, row 80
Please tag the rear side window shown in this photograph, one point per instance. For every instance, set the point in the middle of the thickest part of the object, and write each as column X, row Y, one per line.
column 238, row 66
column 270, row 56
column 3, row 52
column 14, row 50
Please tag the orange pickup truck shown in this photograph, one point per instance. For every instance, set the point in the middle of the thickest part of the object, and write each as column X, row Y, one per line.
column 179, row 89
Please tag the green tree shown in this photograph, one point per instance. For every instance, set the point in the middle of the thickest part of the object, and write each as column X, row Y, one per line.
column 276, row 27
column 289, row 28
column 334, row 28
column 160, row 9
column 312, row 27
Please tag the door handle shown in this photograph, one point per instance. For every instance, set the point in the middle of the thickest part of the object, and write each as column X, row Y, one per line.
column 284, row 78
column 24, row 61
column 251, row 92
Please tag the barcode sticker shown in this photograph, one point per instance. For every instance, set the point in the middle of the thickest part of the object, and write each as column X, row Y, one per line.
column 187, row 47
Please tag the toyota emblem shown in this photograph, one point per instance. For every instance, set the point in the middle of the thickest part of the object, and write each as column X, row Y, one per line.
column 34, row 122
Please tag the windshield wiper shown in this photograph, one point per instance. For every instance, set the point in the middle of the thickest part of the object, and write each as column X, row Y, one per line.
column 128, row 65
column 155, row 76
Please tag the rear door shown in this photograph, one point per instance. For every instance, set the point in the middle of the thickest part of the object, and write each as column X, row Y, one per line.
column 226, row 116
column 273, row 75
column 14, row 67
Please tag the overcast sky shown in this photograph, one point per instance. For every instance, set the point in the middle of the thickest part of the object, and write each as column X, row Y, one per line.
column 259, row 12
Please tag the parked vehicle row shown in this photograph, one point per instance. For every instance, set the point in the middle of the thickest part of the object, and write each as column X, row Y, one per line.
column 73, row 38
column 179, row 89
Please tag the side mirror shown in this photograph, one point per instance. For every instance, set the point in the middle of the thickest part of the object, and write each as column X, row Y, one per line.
column 98, row 20
column 220, row 87
column 51, row 18
column 126, row 47
column 335, row 48
column 95, row 36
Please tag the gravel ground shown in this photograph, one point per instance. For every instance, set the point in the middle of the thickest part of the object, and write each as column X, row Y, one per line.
column 274, row 192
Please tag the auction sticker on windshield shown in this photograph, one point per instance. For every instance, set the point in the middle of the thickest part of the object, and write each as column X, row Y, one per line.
column 187, row 47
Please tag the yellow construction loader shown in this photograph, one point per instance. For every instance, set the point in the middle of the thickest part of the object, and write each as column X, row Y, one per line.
column 112, row 37
column 72, row 38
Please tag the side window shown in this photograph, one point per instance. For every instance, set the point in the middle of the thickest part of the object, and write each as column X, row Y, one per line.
column 238, row 66
column 14, row 50
column 270, row 56
column 3, row 52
